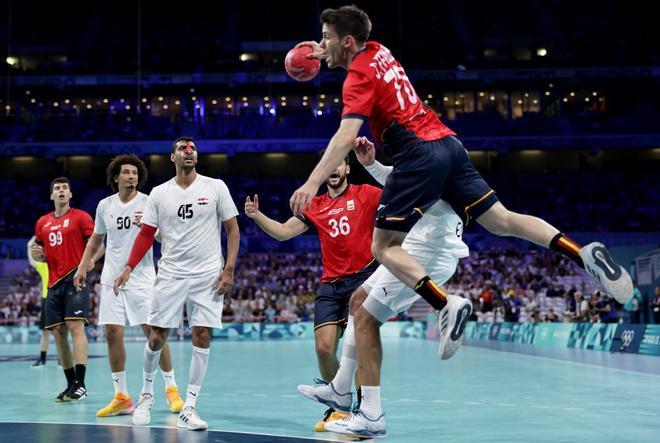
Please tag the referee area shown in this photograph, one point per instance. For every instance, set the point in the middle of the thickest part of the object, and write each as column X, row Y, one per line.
column 479, row 395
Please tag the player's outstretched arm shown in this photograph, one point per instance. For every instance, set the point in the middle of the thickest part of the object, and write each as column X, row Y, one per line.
column 88, row 259
column 279, row 231
column 366, row 155
column 339, row 146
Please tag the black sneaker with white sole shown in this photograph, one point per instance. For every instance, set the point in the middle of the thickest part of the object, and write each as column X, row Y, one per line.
column 600, row 265
column 77, row 391
column 61, row 396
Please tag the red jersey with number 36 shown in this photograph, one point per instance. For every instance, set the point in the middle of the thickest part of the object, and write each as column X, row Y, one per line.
column 377, row 89
column 345, row 225
column 64, row 239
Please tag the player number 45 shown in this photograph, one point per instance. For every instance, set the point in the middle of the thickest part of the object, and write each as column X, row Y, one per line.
column 185, row 211
column 339, row 227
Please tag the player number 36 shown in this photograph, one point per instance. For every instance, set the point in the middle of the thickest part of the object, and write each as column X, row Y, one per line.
column 339, row 227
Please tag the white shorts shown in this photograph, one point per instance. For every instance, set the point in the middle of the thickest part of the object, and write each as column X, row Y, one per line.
column 388, row 296
column 131, row 305
column 203, row 303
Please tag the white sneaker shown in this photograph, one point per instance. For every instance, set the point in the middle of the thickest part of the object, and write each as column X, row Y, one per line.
column 601, row 266
column 142, row 413
column 359, row 425
column 451, row 323
column 188, row 419
column 326, row 394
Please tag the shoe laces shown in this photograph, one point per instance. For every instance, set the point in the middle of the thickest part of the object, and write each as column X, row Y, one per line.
column 318, row 381
column 327, row 414
column 144, row 400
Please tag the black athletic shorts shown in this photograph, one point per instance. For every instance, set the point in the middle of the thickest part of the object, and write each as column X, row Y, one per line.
column 331, row 302
column 65, row 303
column 426, row 171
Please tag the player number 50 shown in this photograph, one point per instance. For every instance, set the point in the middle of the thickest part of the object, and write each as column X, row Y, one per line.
column 339, row 227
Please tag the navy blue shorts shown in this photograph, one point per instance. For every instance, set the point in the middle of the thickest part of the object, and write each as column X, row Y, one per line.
column 425, row 172
column 65, row 303
column 331, row 303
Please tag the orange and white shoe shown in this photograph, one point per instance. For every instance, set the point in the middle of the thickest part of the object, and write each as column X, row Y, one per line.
column 121, row 404
column 174, row 400
column 330, row 415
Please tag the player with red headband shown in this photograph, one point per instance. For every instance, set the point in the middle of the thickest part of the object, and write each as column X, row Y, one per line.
column 189, row 210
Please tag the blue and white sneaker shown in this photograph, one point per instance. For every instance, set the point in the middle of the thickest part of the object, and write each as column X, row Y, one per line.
column 359, row 425
column 451, row 323
column 600, row 265
column 325, row 393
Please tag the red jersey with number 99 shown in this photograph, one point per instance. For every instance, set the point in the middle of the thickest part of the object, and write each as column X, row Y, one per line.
column 345, row 225
column 377, row 89
column 64, row 239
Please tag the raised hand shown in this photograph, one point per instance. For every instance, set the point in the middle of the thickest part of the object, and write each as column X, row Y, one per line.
column 319, row 52
column 252, row 206
column 364, row 151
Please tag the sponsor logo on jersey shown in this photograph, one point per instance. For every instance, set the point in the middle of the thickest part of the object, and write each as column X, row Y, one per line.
column 350, row 205
column 55, row 227
column 336, row 211
column 202, row 201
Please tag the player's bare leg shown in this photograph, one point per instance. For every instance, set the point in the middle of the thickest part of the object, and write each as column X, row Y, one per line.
column 327, row 340
column 121, row 402
column 188, row 418
column 337, row 394
column 78, row 390
column 594, row 257
column 61, row 334
column 43, row 349
column 174, row 400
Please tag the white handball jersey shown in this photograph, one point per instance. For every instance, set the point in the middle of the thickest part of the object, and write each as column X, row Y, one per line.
column 441, row 227
column 116, row 220
column 190, row 223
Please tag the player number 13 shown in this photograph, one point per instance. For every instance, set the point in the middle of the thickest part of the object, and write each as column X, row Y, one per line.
column 339, row 227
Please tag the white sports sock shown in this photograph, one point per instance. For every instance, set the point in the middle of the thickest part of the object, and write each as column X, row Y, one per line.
column 119, row 382
column 169, row 378
column 370, row 403
column 347, row 365
column 151, row 359
column 198, row 365
column 191, row 395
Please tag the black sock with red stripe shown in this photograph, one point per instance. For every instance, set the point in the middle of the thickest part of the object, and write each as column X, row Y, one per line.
column 432, row 293
column 567, row 247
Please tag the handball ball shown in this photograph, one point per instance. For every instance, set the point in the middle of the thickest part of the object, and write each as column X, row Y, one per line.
column 299, row 67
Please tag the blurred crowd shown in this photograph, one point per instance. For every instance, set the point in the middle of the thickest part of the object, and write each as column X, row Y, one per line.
column 587, row 201
column 504, row 285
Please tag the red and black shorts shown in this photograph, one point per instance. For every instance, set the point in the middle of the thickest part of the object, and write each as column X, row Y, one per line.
column 425, row 172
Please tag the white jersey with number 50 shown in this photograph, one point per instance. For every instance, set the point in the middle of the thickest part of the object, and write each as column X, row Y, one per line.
column 117, row 221
column 190, row 223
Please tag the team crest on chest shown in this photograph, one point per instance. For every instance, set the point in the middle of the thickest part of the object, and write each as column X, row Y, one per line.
column 350, row 205
column 66, row 223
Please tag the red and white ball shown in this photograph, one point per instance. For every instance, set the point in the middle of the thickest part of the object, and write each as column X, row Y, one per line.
column 299, row 67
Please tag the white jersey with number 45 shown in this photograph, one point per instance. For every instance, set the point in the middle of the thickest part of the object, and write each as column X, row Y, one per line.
column 190, row 223
column 117, row 221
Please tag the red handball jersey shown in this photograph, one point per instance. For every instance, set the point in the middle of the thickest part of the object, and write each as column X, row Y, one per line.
column 345, row 225
column 377, row 89
column 64, row 239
